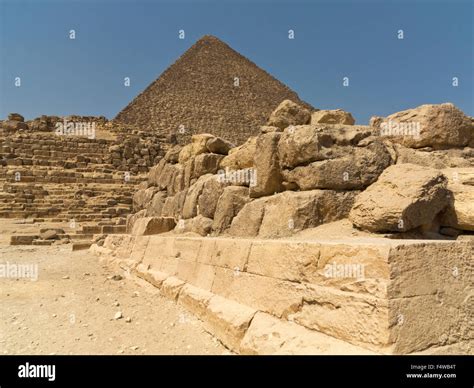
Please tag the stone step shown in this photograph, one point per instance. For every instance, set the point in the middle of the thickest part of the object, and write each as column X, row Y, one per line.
column 94, row 229
column 42, row 242
column 64, row 178
column 77, row 246
column 23, row 239
column 114, row 229
column 79, row 237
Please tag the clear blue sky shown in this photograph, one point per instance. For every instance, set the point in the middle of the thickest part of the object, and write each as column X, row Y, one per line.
column 334, row 39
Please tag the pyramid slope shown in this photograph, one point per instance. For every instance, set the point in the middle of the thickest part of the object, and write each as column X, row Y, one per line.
column 198, row 92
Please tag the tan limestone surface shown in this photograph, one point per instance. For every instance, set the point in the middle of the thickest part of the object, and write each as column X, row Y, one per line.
column 390, row 308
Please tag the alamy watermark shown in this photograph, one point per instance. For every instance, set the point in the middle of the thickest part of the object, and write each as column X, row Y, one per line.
column 28, row 370
column 395, row 128
column 76, row 128
column 246, row 176
column 17, row 271
column 334, row 270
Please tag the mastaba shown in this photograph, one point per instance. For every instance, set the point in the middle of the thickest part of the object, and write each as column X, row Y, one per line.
column 211, row 88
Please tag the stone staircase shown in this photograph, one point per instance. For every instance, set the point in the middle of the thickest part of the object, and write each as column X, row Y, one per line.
column 49, row 178
column 81, row 238
column 90, row 202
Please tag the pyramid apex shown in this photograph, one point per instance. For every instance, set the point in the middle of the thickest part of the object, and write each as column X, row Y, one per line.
column 209, row 38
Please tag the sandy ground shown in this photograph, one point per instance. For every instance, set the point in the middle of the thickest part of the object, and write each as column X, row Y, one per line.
column 70, row 309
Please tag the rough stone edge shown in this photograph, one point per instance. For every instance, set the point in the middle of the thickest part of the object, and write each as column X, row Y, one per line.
column 229, row 321
column 197, row 300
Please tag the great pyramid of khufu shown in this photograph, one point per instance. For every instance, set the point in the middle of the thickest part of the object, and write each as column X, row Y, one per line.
column 210, row 88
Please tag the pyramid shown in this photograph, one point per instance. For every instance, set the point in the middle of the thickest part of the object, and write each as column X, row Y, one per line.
column 199, row 94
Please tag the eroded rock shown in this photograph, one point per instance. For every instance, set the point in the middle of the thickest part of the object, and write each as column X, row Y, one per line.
column 404, row 197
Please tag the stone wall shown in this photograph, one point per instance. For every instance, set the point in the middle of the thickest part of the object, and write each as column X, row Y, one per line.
column 272, row 296
column 46, row 175
column 298, row 174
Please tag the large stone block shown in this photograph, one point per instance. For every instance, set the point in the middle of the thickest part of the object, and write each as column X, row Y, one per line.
column 152, row 276
column 155, row 206
column 300, row 145
column 288, row 212
column 274, row 296
column 230, row 253
column 142, row 198
column 201, row 275
column 438, row 126
column 336, row 116
column 211, row 191
column 289, row 113
column 155, row 173
column 460, row 214
column 195, row 300
column 357, row 169
column 440, row 159
column 218, row 145
column 132, row 218
column 404, row 197
column 360, row 268
column 206, row 164
column 200, row 225
column 269, row 179
column 229, row 204
column 173, row 206
column 153, row 225
column 171, row 287
column 357, row 318
column 190, row 208
column 187, row 248
column 228, row 320
column 248, row 220
column 241, row 157
column 196, row 147
column 430, row 305
column 268, row 335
